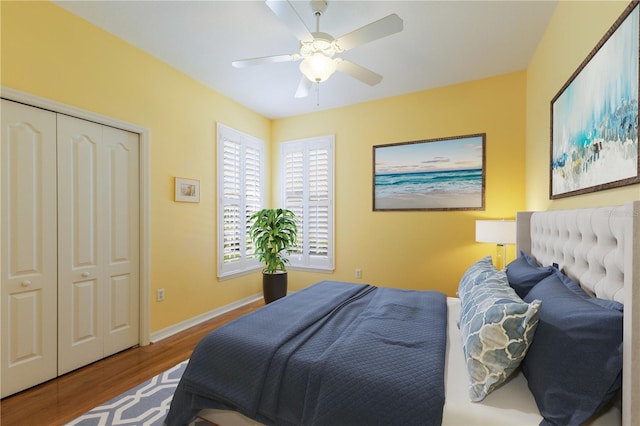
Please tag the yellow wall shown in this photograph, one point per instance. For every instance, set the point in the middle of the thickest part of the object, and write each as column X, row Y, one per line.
column 51, row 53
column 575, row 29
column 416, row 249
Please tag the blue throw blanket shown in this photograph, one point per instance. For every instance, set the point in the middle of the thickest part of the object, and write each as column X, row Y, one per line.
column 331, row 354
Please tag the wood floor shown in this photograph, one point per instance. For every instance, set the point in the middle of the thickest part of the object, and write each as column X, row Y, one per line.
column 61, row 400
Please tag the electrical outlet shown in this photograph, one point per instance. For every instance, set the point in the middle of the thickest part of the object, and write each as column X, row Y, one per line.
column 160, row 295
column 358, row 273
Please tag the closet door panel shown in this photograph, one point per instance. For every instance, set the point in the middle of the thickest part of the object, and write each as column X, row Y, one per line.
column 122, row 259
column 98, row 203
column 81, row 212
column 83, row 198
column 28, row 247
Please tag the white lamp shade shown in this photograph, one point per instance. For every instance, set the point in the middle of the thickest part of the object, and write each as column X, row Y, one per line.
column 496, row 231
column 318, row 67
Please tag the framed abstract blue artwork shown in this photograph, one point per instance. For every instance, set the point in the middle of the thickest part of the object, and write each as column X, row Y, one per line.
column 594, row 117
column 435, row 174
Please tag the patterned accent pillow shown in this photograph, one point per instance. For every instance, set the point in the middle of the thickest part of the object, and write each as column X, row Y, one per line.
column 497, row 328
column 476, row 274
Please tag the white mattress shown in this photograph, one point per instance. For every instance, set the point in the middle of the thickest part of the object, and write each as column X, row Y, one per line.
column 510, row 404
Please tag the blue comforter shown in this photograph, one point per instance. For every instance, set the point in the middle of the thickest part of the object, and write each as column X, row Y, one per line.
column 331, row 354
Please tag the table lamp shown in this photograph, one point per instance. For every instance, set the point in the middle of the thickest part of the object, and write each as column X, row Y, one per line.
column 499, row 232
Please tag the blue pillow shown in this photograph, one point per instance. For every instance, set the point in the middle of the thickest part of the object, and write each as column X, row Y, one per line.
column 524, row 272
column 497, row 328
column 574, row 287
column 574, row 365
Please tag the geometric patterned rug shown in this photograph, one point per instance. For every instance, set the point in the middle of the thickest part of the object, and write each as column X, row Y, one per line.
column 145, row 405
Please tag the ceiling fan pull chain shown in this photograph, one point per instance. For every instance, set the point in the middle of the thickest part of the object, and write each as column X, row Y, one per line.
column 318, row 94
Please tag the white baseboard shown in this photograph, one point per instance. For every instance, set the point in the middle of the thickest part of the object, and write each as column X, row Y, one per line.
column 182, row 326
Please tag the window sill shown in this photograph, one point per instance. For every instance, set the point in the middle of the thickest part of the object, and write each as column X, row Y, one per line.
column 236, row 274
column 311, row 269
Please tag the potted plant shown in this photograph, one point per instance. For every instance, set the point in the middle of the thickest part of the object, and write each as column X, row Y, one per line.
column 274, row 233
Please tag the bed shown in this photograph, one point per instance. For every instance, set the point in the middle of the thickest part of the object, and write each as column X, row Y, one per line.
column 235, row 376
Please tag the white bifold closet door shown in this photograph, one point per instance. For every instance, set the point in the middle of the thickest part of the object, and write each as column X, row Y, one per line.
column 98, row 239
column 69, row 244
column 28, row 247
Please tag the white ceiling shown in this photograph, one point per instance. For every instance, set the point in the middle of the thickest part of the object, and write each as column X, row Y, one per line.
column 443, row 42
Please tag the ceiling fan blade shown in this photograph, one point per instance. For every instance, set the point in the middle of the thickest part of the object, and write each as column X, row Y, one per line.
column 265, row 60
column 358, row 72
column 303, row 87
column 384, row 27
column 287, row 14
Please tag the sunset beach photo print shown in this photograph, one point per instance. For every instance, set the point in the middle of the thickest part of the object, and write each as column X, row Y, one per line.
column 435, row 174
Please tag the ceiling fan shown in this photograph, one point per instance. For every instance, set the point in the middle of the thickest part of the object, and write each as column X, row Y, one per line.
column 318, row 49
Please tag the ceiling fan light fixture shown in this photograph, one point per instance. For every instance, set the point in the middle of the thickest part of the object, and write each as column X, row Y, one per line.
column 317, row 49
column 317, row 67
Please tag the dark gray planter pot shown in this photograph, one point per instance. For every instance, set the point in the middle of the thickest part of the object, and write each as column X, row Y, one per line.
column 274, row 286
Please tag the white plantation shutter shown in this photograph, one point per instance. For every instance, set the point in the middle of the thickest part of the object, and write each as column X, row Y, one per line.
column 293, row 163
column 240, row 194
column 253, row 169
column 307, row 190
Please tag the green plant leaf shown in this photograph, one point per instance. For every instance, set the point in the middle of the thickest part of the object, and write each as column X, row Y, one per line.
column 274, row 233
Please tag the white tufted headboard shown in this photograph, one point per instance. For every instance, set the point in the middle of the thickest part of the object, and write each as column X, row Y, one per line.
column 600, row 249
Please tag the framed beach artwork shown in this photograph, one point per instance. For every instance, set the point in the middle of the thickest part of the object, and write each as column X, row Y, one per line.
column 436, row 174
column 594, row 117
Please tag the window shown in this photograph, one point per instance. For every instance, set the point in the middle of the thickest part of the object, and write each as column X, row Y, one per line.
column 307, row 190
column 240, row 194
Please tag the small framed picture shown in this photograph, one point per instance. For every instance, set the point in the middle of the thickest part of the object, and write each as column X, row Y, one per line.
column 187, row 190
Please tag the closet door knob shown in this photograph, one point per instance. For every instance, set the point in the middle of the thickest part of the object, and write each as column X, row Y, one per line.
column 25, row 283
column 85, row 274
